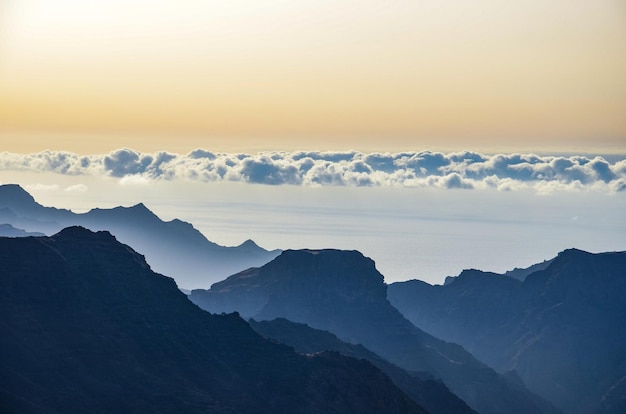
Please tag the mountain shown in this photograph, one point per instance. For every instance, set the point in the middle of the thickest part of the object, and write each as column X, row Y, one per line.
column 429, row 393
column 88, row 327
column 174, row 248
column 343, row 293
column 522, row 273
column 517, row 273
column 7, row 230
column 562, row 329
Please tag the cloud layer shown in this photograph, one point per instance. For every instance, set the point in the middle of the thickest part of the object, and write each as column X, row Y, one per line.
column 457, row 170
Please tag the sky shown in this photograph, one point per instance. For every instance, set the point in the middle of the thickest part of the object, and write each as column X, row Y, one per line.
column 243, row 75
column 424, row 215
column 431, row 135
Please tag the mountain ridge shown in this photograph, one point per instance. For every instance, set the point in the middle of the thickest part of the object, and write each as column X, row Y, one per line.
column 428, row 392
column 561, row 328
column 174, row 247
column 94, row 329
column 343, row 293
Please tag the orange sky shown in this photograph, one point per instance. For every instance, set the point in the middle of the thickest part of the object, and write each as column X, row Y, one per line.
column 245, row 75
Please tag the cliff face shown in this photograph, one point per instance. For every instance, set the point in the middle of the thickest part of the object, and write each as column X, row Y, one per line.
column 88, row 327
column 326, row 280
column 561, row 328
column 342, row 292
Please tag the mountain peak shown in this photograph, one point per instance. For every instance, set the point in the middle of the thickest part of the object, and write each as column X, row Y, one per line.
column 248, row 245
column 14, row 189
column 472, row 274
column 13, row 195
column 327, row 254
column 573, row 252
column 335, row 262
column 330, row 266
column 139, row 207
column 316, row 277
column 136, row 212
column 82, row 233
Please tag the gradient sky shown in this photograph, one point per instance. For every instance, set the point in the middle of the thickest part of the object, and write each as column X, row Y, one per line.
column 242, row 75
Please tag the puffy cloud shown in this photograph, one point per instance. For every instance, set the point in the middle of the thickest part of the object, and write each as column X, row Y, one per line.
column 200, row 153
column 618, row 185
column 269, row 170
column 61, row 162
column 458, row 170
column 124, row 161
column 455, row 180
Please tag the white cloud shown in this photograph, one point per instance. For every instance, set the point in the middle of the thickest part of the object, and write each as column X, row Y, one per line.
column 76, row 188
column 457, row 170
column 135, row 179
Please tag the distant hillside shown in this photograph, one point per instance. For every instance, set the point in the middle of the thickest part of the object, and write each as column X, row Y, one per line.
column 174, row 248
column 522, row 273
column 7, row 230
column 88, row 327
column 421, row 387
column 563, row 329
column 343, row 293
column 517, row 273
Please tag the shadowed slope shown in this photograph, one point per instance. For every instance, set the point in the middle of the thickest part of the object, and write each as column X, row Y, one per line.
column 88, row 327
column 342, row 292
column 562, row 329
column 425, row 390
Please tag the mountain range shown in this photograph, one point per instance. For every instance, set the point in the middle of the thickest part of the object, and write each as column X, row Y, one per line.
column 562, row 327
column 174, row 248
column 422, row 387
column 90, row 327
column 343, row 293
column 87, row 326
column 7, row 230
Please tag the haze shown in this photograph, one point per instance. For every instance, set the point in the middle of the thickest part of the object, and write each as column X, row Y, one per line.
column 431, row 135
column 246, row 76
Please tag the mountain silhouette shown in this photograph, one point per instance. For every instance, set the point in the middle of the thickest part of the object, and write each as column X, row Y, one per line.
column 562, row 329
column 7, row 230
column 174, row 248
column 343, row 293
column 422, row 387
column 522, row 273
column 88, row 327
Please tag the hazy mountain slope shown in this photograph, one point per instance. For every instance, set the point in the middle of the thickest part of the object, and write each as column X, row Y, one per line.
column 7, row 230
column 342, row 292
column 20, row 209
column 88, row 327
column 174, row 248
column 563, row 329
column 522, row 273
column 421, row 387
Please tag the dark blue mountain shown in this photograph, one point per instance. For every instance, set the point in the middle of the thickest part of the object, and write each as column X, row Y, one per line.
column 343, row 293
column 421, row 387
column 174, row 248
column 88, row 327
column 562, row 329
